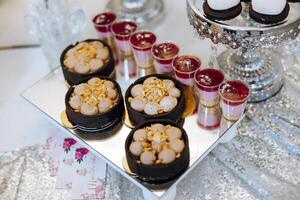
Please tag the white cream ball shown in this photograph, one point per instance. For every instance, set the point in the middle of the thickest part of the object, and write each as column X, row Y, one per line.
column 94, row 81
column 103, row 53
column 167, row 156
column 168, row 84
column 168, row 103
column 96, row 64
column 80, row 89
column 138, row 103
column 136, row 148
column 109, row 84
column 174, row 92
column 147, row 158
column 81, row 68
column 177, row 145
column 158, row 127
column 137, row 90
column 151, row 80
column 75, row 102
column 88, row 109
column 111, row 93
column 151, row 108
column 70, row 62
column 268, row 7
column 173, row 133
column 223, row 5
column 140, row 135
column 97, row 45
column 81, row 45
column 104, row 105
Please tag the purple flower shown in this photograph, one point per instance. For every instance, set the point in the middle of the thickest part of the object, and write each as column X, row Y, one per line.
column 79, row 153
column 68, row 143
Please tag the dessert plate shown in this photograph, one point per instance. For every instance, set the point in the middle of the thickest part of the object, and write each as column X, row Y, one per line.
column 48, row 96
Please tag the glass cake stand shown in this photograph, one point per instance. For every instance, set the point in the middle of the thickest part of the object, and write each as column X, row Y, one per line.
column 250, row 57
column 48, row 94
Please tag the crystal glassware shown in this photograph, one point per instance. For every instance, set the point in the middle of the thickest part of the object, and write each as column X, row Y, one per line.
column 56, row 24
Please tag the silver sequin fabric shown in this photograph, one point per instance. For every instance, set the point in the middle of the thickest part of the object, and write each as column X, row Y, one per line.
column 24, row 175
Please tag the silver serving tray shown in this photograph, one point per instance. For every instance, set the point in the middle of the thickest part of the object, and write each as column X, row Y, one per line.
column 48, row 96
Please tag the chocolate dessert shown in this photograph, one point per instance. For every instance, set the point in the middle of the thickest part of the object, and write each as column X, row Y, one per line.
column 222, row 10
column 95, row 105
column 157, row 151
column 86, row 59
column 262, row 12
column 155, row 96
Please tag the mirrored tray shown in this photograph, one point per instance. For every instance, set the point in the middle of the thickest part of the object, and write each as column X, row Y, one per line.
column 48, row 96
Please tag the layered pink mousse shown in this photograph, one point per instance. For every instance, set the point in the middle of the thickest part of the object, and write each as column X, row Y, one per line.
column 234, row 98
column 185, row 68
column 163, row 54
column 122, row 32
column 208, row 82
column 141, row 43
column 102, row 23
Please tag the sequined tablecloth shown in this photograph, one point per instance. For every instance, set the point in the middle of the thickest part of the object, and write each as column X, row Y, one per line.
column 261, row 162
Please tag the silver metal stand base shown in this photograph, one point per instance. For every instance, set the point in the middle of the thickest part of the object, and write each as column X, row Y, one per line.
column 146, row 13
column 260, row 68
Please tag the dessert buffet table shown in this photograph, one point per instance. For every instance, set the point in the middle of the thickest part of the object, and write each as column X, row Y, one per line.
column 261, row 162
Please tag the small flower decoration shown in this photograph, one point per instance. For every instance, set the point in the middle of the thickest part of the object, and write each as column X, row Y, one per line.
column 80, row 153
column 47, row 144
column 99, row 191
column 68, row 143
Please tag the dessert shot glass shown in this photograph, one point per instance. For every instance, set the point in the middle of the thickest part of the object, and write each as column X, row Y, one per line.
column 209, row 118
column 122, row 31
column 185, row 67
column 102, row 23
column 208, row 81
column 234, row 95
column 141, row 43
column 163, row 54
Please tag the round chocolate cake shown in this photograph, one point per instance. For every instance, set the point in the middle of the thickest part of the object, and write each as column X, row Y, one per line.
column 155, row 96
column 86, row 59
column 157, row 151
column 95, row 105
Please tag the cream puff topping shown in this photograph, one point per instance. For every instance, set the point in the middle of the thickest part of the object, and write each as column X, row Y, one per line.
column 86, row 57
column 95, row 96
column 154, row 96
column 157, row 144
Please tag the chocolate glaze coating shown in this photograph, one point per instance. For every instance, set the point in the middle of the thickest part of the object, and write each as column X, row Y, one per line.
column 222, row 14
column 137, row 117
column 75, row 78
column 269, row 19
column 158, row 173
